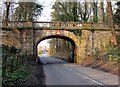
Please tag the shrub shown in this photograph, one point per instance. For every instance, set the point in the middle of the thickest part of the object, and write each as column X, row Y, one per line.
column 15, row 78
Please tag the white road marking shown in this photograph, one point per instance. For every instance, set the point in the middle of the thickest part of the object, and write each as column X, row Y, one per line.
column 85, row 76
column 68, row 68
column 93, row 80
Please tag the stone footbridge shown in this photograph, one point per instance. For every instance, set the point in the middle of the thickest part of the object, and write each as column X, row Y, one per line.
column 31, row 33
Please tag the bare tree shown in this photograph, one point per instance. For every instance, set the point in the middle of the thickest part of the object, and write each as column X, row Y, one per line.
column 110, row 17
column 101, row 11
column 7, row 10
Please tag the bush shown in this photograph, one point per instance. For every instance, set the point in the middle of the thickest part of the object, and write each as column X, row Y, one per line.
column 15, row 78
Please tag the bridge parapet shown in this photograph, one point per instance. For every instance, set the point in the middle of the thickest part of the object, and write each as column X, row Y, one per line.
column 58, row 25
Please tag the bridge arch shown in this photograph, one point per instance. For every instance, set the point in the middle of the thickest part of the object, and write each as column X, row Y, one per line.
column 67, row 35
column 72, row 58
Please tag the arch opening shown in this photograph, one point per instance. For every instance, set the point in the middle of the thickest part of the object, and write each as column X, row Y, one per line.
column 71, row 57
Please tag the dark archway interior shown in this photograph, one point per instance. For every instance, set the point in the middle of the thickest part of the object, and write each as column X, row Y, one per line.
column 71, row 59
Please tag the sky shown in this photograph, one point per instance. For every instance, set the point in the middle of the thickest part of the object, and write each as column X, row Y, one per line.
column 45, row 16
column 44, row 43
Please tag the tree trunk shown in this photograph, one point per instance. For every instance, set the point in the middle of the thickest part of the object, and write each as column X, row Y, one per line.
column 95, row 11
column 101, row 11
column 7, row 13
column 110, row 17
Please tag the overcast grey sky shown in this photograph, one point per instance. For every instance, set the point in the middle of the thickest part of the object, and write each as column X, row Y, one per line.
column 45, row 16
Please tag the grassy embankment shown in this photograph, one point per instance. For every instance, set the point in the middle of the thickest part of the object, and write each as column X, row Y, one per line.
column 14, row 71
column 106, row 60
column 21, row 70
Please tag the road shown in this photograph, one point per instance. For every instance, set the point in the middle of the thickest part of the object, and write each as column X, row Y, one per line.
column 59, row 72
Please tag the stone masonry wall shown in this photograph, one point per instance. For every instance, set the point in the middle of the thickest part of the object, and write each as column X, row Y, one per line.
column 102, row 40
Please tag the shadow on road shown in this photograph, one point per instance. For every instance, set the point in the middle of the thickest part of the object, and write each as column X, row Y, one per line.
column 46, row 63
column 50, row 60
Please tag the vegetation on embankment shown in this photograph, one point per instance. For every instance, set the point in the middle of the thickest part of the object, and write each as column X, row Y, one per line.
column 107, row 61
column 106, row 57
column 15, row 78
column 17, row 68
column 37, row 77
column 13, row 72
